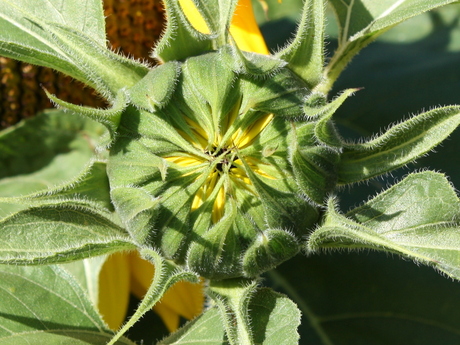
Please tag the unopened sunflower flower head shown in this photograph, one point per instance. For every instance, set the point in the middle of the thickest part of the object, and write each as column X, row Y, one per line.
column 208, row 164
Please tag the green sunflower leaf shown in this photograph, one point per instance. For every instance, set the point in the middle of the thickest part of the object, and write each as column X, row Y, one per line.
column 45, row 305
column 67, row 36
column 361, row 22
column 89, row 188
column 104, row 70
column 399, row 145
column 197, row 331
column 418, row 218
column 59, row 233
column 48, row 150
column 21, row 38
column 283, row 318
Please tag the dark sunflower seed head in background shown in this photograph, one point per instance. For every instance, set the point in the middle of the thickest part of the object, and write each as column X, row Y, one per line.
column 132, row 28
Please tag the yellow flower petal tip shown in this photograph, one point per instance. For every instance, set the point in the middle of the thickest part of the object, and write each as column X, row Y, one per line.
column 170, row 318
column 185, row 299
column 194, row 16
column 125, row 273
column 245, row 30
column 182, row 299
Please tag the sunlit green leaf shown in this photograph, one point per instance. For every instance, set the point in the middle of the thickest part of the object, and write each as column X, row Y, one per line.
column 45, row 305
column 197, row 332
column 22, row 38
column 67, row 36
column 59, row 233
column 417, row 218
column 398, row 146
column 305, row 53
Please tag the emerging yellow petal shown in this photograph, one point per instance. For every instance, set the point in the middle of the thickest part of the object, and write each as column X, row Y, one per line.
column 194, row 16
column 245, row 138
column 223, row 155
column 114, row 290
column 243, row 27
column 219, row 204
column 245, row 30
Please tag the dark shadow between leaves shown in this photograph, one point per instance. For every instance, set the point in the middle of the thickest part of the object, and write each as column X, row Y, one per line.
column 367, row 213
column 261, row 308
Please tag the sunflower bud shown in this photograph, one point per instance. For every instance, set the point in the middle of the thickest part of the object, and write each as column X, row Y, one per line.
column 210, row 152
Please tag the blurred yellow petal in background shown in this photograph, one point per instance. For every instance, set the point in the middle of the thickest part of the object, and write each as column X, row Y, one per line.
column 125, row 273
column 245, row 31
column 243, row 28
column 114, row 288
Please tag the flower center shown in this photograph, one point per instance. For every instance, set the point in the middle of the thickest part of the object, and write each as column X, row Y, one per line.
column 229, row 167
column 223, row 155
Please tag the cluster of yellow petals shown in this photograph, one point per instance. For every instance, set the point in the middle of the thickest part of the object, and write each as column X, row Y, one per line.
column 125, row 273
column 239, row 140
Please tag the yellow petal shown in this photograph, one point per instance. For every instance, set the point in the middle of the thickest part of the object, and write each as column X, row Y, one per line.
column 219, row 204
column 194, row 17
column 184, row 298
column 253, row 131
column 170, row 318
column 198, row 199
column 114, row 287
column 245, row 30
column 184, row 161
column 141, row 274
